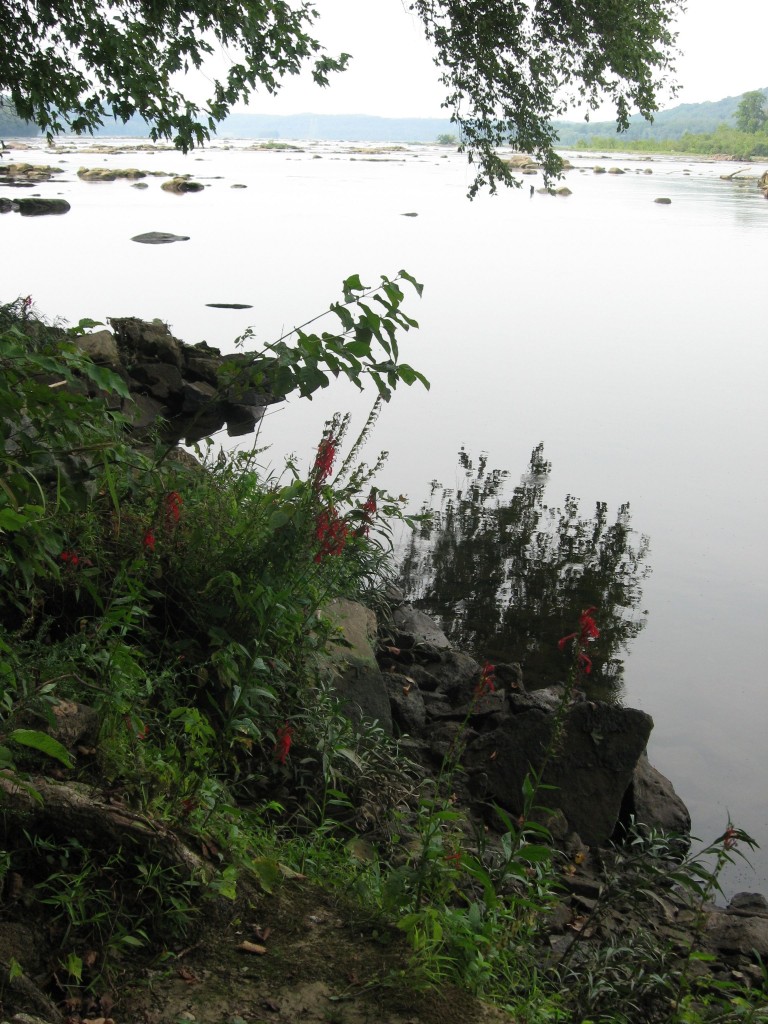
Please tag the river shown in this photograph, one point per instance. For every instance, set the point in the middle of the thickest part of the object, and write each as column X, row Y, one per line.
column 626, row 335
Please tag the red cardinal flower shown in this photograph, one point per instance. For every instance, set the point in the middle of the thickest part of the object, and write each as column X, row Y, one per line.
column 149, row 542
column 588, row 632
column 283, row 741
column 69, row 558
column 331, row 532
column 487, row 683
column 173, row 502
column 326, row 453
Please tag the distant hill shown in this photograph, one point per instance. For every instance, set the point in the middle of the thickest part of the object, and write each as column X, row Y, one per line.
column 695, row 118
column 11, row 126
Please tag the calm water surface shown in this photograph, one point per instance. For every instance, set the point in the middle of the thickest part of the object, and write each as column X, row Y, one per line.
column 626, row 335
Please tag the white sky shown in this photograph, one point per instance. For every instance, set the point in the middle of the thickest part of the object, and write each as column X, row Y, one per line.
column 392, row 74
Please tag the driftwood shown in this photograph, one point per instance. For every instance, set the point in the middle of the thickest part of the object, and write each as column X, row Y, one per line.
column 76, row 809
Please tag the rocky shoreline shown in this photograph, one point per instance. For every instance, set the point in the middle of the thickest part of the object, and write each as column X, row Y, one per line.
column 405, row 675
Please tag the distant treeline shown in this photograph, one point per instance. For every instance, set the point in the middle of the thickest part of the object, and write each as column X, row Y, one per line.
column 686, row 119
column 724, row 140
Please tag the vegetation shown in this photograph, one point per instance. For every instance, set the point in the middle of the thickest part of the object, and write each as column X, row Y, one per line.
column 724, row 141
column 507, row 69
column 752, row 113
column 174, row 610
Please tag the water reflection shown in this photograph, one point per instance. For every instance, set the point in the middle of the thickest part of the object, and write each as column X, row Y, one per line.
column 507, row 575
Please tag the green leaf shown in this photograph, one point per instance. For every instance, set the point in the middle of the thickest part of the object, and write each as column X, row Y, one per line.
column 278, row 519
column 44, row 743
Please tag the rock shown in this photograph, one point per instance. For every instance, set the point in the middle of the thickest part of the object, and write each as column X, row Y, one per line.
column 180, row 186
column 140, row 184
column 731, row 934
column 591, row 770
column 663, row 200
column 409, row 215
column 652, row 799
column 96, row 174
column 406, row 702
column 357, row 680
column 100, row 346
column 415, row 629
column 228, row 305
column 598, row 170
column 564, row 191
column 161, row 379
column 35, row 206
column 748, row 904
column 6, row 205
column 615, row 170
column 159, row 238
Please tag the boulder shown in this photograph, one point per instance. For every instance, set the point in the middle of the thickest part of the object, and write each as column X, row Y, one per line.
column 100, row 346
column 663, row 200
column 409, row 713
column 741, row 930
column 357, row 679
column 414, row 629
column 652, row 800
column 615, row 170
column 180, row 186
column 36, row 206
column 590, row 767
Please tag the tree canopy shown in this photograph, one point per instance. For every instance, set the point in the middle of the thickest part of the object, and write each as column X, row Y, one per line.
column 752, row 113
column 508, row 67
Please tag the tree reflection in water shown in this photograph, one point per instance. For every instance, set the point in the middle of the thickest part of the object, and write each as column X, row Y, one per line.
column 507, row 575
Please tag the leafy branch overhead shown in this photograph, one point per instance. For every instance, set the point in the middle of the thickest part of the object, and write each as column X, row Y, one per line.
column 68, row 67
column 508, row 68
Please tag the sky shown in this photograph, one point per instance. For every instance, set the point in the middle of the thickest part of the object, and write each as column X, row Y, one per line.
column 392, row 74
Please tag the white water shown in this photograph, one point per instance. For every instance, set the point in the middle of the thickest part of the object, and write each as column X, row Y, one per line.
column 626, row 335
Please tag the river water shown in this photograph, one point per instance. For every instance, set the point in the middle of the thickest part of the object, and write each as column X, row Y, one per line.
column 627, row 335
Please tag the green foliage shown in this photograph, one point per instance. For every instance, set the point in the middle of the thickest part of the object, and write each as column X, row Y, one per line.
column 509, row 69
column 507, row 576
column 752, row 113
column 369, row 317
column 71, row 68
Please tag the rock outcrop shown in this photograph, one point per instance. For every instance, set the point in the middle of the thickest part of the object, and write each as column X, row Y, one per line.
column 177, row 388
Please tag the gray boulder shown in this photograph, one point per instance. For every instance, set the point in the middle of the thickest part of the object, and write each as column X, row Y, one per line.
column 590, row 769
column 652, row 799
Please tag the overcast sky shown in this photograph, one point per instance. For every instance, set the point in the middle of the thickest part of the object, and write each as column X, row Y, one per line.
column 392, row 74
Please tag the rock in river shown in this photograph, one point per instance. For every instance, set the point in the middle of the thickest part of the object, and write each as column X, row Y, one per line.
column 159, row 238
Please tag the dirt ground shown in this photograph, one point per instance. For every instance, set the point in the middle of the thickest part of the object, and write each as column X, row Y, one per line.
column 305, row 961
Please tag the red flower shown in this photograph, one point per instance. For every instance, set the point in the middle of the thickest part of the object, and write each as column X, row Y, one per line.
column 487, row 683
column 368, row 511
column 326, row 453
column 730, row 837
column 69, row 558
column 283, row 741
column 331, row 532
column 588, row 632
column 149, row 541
column 173, row 502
